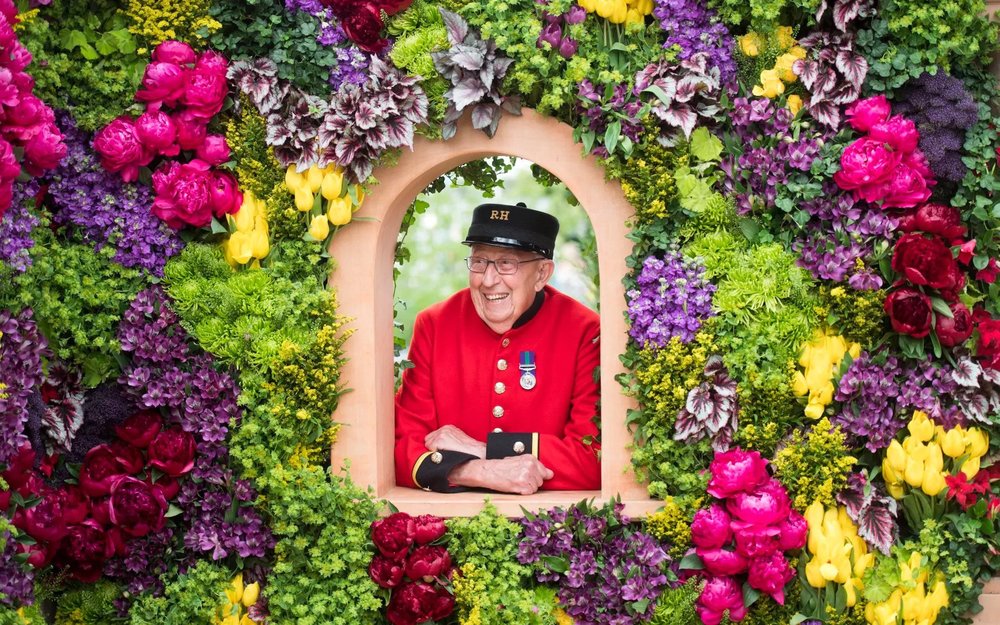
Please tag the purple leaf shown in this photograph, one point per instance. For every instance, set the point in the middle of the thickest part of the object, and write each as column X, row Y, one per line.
column 853, row 496
column 448, row 130
column 845, row 12
column 853, row 66
column 486, row 74
column 682, row 117
column 466, row 92
column 512, row 104
column 825, row 112
column 686, row 427
column 806, row 71
column 456, row 26
column 967, row 372
column 699, row 402
column 468, row 58
column 482, row 114
column 877, row 522
column 975, row 408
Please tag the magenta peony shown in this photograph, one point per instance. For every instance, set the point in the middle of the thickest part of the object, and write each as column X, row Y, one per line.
column 176, row 52
column 163, row 83
column 157, row 132
column 205, row 92
column 864, row 114
column 120, row 149
column 766, row 505
column 719, row 595
column 184, row 194
column 722, row 561
column 212, row 62
column 214, row 150
column 900, row 133
column 905, row 189
column 865, row 165
column 710, row 527
column 754, row 541
column 736, row 471
column 172, row 451
column 225, row 193
column 135, row 507
column 44, row 521
column 191, row 130
column 44, row 150
column 793, row 532
column 769, row 575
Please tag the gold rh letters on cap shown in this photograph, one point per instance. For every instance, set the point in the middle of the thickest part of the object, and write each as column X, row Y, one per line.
column 501, row 215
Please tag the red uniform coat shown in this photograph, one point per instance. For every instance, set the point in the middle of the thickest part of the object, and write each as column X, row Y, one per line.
column 467, row 375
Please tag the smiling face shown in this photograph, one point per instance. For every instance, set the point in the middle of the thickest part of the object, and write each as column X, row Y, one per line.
column 501, row 300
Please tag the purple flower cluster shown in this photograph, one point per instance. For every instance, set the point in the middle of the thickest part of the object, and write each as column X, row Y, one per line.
column 143, row 563
column 878, row 398
column 16, row 226
column 599, row 114
column 16, row 580
column 105, row 210
column 166, row 373
column 694, row 28
column 603, row 568
column 21, row 349
column 670, row 299
column 352, row 62
column 769, row 156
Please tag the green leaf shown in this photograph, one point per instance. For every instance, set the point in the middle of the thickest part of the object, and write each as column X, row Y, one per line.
column 588, row 140
column 941, row 307
column 691, row 562
column 556, row 564
column 611, row 135
column 218, row 227
column 660, row 94
column 750, row 595
column 704, row 145
column 172, row 511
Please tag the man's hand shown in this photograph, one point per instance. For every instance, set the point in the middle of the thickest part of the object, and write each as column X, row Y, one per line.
column 451, row 438
column 521, row 475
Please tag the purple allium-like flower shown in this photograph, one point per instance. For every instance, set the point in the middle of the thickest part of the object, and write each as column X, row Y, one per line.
column 105, row 210
column 16, row 226
column 671, row 299
column 694, row 28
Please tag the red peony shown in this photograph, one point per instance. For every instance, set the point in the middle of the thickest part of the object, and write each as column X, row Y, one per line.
column 736, row 471
column 176, row 52
column 85, row 551
column 140, row 429
column 184, row 194
column 926, row 262
column 164, row 83
column 710, row 528
column 940, row 219
column 135, row 507
column 76, row 505
column 385, row 572
column 427, row 528
column 990, row 272
column 909, row 312
column 417, row 602
column 168, row 486
column 19, row 467
column 864, row 114
column 717, row 596
column 44, row 521
column 957, row 329
column 988, row 346
column 428, row 562
column 172, row 451
column 101, row 466
column 129, row 456
column 120, row 149
column 205, row 92
column 393, row 535
column 364, row 27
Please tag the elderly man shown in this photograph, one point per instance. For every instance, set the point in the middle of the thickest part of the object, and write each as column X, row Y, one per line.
column 502, row 393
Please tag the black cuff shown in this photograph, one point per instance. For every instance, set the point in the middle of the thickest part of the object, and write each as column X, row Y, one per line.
column 430, row 471
column 506, row 444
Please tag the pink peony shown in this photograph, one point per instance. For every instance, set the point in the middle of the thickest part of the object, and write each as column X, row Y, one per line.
column 770, row 574
column 900, row 133
column 736, row 471
column 722, row 561
column 184, row 194
column 866, row 163
column 793, row 532
column 905, row 189
column 163, row 83
column 176, row 52
column 191, row 130
column 719, row 595
column 120, row 148
column 9, row 167
column 43, row 151
column 25, row 120
column 214, row 150
column 226, row 195
column 754, row 541
column 157, row 132
column 710, row 527
column 864, row 114
column 766, row 505
column 212, row 62
column 205, row 92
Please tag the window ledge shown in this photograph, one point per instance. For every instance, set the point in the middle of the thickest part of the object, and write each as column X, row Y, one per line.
column 416, row 501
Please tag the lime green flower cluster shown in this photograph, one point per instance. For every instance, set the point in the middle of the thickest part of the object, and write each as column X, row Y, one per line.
column 916, row 598
column 666, row 375
column 192, row 597
column 763, row 437
column 88, row 604
column 160, row 20
column 418, row 31
column 814, row 465
column 858, row 315
column 671, row 524
column 647, row 177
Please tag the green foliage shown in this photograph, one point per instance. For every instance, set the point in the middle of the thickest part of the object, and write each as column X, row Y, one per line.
column 672, row 468
column 766, row 611
column 671, row 524
column 162, row 20
column 494, row 588
column 647, row 177
column 761, row 14
column 953, row 33
column 857, row 315
column 92, row 64
column 259, row 28
column 814, row 466
column 192, row 597
column 763, row 437
column 419, row 31
column 29, row 615
column 676, row 606
column 90, row 604
column 321, row 521
column 78, row 296
column 891, row 62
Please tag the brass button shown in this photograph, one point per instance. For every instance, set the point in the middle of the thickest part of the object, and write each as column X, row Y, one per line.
column 505, row 342
column 499, row 388
column 497, row 430
column 518, row 447
column 497, row 411
column 502, row 364
column 436, row 457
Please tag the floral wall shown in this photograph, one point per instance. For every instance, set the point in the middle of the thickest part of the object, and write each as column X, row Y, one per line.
column 813, row 308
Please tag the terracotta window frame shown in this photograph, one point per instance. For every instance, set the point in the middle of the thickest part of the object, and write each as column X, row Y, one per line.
column 363, row 282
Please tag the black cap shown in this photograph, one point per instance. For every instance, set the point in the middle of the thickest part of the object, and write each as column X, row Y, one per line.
column 517, row 226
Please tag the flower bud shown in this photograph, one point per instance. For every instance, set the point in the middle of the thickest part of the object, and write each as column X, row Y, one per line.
column 319, row 228
column 896, row 457
column 333, row 185
column 293, row 179
column 978, row 442
column 953, row 442
column 339, row 211
column 314, row 178
column 921, row 427
column 250, row 594
column 303, row 198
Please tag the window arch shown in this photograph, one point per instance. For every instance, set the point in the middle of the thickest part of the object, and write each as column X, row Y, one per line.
column 363, row 282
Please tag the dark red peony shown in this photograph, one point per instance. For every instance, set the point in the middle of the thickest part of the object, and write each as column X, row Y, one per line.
column 172, row 451
column 364, row 27
column 957, row 329
column 393, row 535
column 101, row 466
column 135, row 507
column 428, row 528
column 417, row 602
column 44, row 521
column 988, row 346
column 86, row 548
column 385, row 572
column 926, row 262
column 428, row 562
column 140, row 429
column 940, row 219
column 909, row 312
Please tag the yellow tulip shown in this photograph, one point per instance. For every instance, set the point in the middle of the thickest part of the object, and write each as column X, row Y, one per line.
column 250, row 594
column 232, row 619
column 933, row 483
column 978, row 442
column 314, row 178
column 939, row 596
column 339, row 211
column 303, row 199
column 293, row 179
column 953, row 442
column 750, row 44
column 797, row 51
column 813, row 575
column 619, row 13
column 896, row 457
column 935, row 460
column 246, row 620
column 889, row 474
column 783, row 66
column 794, row 104
column 243, row 218
column 645, row 7
column 260, row 246
column 319, row 228
column 605, row 8
column 632, row 16
column 914, row 473
column 814, row 410
column 333, row 184
column 971, row 467
column 921, row 427
column 234, row 592
column 239, row 250
column 771, row 86
column 799, row 386
column 588, row 5
column 896, row 490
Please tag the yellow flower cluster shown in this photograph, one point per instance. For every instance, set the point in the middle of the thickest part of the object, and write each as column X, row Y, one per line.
column 238, row 599
column 773, row 80
column 839, row 555
column 468, row 587
column 820, row 359
column 919, row 462
column 910, row 603
column 562, row 618
column 673, row 370
column 342, row 199
column 249, row 238
column 619, row 11
column 160, row 20
column 672, row 524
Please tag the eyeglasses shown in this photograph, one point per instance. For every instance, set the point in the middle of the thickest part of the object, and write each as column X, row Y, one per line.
column 504, row 266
